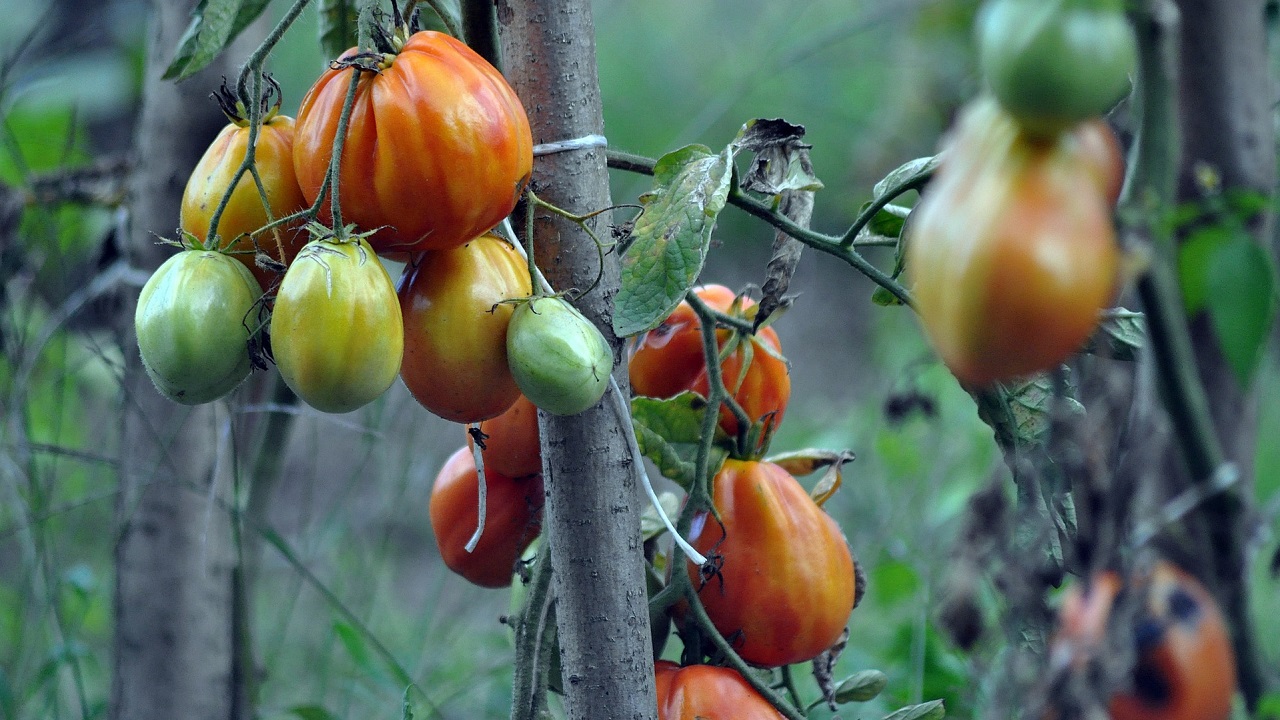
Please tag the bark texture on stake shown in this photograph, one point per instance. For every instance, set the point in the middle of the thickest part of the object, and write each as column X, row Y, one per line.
column 593, row 504
column 175, row 652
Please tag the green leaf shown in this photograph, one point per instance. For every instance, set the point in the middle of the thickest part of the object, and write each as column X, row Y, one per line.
column 311, row 712
column 931, row 710
column 670, row 239
column 1194, row 258
column 1241, row 302
column 781, row 160
column 215, row 23
column 338, row 20
column 651, row 526
column 1120, row 335
column 669, row 431
column 1031, row 402
column 911, row 173
column 355, row 646
column 861, row 686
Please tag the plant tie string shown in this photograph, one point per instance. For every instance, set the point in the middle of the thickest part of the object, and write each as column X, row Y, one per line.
column 583, row 143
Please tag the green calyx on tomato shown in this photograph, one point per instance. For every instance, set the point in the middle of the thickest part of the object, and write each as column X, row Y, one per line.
column 192, row 325
column 560, row 360
column 457, row 307
column 785, row 584
column 1054, row 63
column 1012, row 253
column 336, row 331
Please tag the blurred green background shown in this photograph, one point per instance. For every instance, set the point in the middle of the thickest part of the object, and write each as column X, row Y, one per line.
column 874, row 83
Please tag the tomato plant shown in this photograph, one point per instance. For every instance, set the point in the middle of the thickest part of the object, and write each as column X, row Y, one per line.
column 513, row 516
column 1012, row 254
column 1053, row 63
column 669, row 360
column 455, row 320
column 192, row 325
column 558, row 358
column 512, row 447
column 438, row 149
column 707, row 692
column 784, row 584
column 336, row 332
column 245, row 213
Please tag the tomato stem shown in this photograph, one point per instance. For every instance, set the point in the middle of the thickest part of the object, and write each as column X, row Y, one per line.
column 335, row 160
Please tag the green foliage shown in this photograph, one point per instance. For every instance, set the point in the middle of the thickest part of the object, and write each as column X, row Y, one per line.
column 668, row 432
column 214, row 24
column 338, row 26
column 670, row 239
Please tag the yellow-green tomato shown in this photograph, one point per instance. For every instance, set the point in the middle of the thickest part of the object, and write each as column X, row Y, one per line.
column 336, row 332
column 559, row 359
column 191, row 323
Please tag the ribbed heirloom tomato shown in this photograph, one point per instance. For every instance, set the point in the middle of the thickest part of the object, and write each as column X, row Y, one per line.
column 669, row 360
column 785, row 584
column 709, row 693
column 245, row 213
column 336, row 332
column 1185, row 668
column 192, row 323
column 513, row 516
column 437, row 151
column 455, row 326
column 1011, row 254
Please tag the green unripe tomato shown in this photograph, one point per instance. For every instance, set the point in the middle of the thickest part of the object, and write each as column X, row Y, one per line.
column 191, row 325
column 559, row 359
column 336, row 331
column 1054, row 63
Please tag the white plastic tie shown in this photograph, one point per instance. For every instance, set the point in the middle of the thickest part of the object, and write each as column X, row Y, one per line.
column 583, row 143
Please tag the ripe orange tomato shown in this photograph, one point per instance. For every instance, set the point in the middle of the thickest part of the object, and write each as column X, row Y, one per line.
column 1099, row 144
column 245, row 215
column 1012, row 253
column 513, row 517
column 669, row 360
column 786, row 584
column 335, row 330
column 707, row 692
column 512, row 448
column 455, row 344
column 1185, row 666
column 438, row 149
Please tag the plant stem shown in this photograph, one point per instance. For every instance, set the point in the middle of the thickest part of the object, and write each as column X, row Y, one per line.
column 335, row 161
column 526, row 694
column 259, row 57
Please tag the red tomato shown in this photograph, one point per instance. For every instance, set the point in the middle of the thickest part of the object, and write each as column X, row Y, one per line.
column 1185, row 666
column 513, row 445
column 1012, row 253
column 785, row 586
column 1100, row 146
column 438, row 148
column 669, row 360
column 513, row 518
column 245, row 215
column 709, row 693
column 455, row 330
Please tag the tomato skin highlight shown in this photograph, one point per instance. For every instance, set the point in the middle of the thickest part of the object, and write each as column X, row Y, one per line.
column 455, row 320
column 561, row 361
column 1012, row 255
column 1054, row 63
column 513, row 516
column 787, row 581
column 191, row 325
column 438, row 148
column 669, row 360
column 336, row 332
column 708, row 692
column 244, row 214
